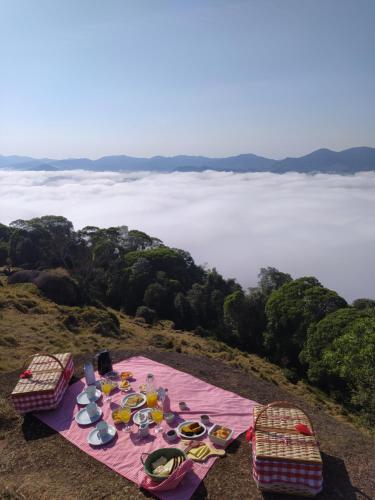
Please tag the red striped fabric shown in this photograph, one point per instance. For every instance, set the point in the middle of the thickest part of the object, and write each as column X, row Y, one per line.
column 25, row 403
column 307, row 478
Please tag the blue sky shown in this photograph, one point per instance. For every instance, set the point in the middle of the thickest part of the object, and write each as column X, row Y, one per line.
column 273, row 77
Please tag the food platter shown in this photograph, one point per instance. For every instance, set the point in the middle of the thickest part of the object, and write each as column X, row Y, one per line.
column 201, row 429
column 137, row 417
column 134, row 400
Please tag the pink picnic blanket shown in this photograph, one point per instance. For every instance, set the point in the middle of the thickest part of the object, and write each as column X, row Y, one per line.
column 123, row 454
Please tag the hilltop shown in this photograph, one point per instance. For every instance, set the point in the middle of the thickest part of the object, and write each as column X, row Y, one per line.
column 31, row 323
column 117, row 284
column 348, row 161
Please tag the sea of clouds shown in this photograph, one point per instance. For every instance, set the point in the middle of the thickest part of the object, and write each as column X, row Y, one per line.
column 320, row 225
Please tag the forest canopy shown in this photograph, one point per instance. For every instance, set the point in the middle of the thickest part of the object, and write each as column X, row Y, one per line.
column 299, row 324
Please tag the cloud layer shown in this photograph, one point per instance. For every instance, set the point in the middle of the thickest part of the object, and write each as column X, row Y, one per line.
column 320, row 225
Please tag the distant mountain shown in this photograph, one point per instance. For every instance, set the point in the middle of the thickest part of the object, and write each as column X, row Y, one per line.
column 348, row 161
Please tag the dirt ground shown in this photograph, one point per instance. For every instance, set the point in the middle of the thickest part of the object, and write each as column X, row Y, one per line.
column 36, row 463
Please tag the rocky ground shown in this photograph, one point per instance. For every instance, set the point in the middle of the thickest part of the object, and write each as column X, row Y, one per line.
column 36, row 463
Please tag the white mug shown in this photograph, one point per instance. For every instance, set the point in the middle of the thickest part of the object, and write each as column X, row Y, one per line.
column 90, row 391
column 102, row 429
column 92, row 409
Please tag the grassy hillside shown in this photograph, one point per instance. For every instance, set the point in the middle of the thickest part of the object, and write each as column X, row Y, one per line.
column 30, row 323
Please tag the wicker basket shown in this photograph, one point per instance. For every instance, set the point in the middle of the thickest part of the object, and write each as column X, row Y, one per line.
column 284, row 460
column 45, row 388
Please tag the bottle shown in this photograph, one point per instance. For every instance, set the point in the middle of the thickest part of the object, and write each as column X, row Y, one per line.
column 151, row 394
column 166, row 402
column 89, row 373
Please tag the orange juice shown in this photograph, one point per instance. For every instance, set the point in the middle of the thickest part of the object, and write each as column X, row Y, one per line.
column 125, row 414
column 152, row 399
column 107, row 388
column 157, row 415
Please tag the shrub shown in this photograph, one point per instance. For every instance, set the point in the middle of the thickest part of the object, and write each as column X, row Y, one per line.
column 148, row 314
column 291, row 375
column 27, row 276
column 102, row 321
column 159, row 340
column 58, row 287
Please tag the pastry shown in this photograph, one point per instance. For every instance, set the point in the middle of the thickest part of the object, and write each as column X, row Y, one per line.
column 134, row 400
column 192, row 429
column 221, row 432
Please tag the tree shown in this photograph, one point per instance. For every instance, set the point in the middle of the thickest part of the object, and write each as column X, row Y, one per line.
column 271, row 279
column 184, row 316
column 363, row 303
column 340, row 354
column 235, row 313
column 4, row 251
column 290, row 311
column 155, row 297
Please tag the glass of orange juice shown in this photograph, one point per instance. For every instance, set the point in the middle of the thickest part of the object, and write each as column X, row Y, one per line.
column 124, row 415
column 157, row 416
column 152, row 399
column 107, row 388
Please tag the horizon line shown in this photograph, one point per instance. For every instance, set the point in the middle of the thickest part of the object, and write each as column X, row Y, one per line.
column 181, row 154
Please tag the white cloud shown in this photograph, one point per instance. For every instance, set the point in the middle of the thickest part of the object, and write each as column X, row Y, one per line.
column 320, row 225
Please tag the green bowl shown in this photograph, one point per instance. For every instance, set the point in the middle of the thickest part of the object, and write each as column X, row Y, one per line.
column 168, row 453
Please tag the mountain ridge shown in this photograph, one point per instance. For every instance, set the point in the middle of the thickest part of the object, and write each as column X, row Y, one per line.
column 348, row 161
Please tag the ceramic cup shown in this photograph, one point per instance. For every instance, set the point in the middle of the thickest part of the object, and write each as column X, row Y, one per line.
column 205, row 419
column 102, row 429
column 90, row 391
column 92, row 409
column 171, row 436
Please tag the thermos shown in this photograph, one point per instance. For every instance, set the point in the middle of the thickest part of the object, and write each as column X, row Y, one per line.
column 89, row 373
column 104, row 362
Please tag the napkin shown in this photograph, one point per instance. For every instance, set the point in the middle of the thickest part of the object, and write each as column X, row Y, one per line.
column 171, row 482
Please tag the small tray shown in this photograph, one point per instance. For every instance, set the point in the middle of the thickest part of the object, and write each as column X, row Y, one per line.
column 83, row 399
column 196, row 436
column 141, row 403
column 95, row 440
column 82, row 417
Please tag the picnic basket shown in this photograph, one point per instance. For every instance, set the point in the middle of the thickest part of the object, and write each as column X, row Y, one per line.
column 284, row 459
column 43, row 384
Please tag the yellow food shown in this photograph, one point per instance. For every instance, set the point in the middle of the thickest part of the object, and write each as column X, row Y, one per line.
column 221, row 432
column 192, row 429
column 116, row 416
column 126, row 375
column 134, row 400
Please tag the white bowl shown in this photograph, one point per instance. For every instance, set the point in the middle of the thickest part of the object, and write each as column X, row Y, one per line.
column 217, row 440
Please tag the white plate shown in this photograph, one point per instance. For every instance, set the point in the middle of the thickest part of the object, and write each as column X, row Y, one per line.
column 83, row 399
column 83, row 418
column 186, row 422
column 147, row 412
column 141, row 403
column 94, row 439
